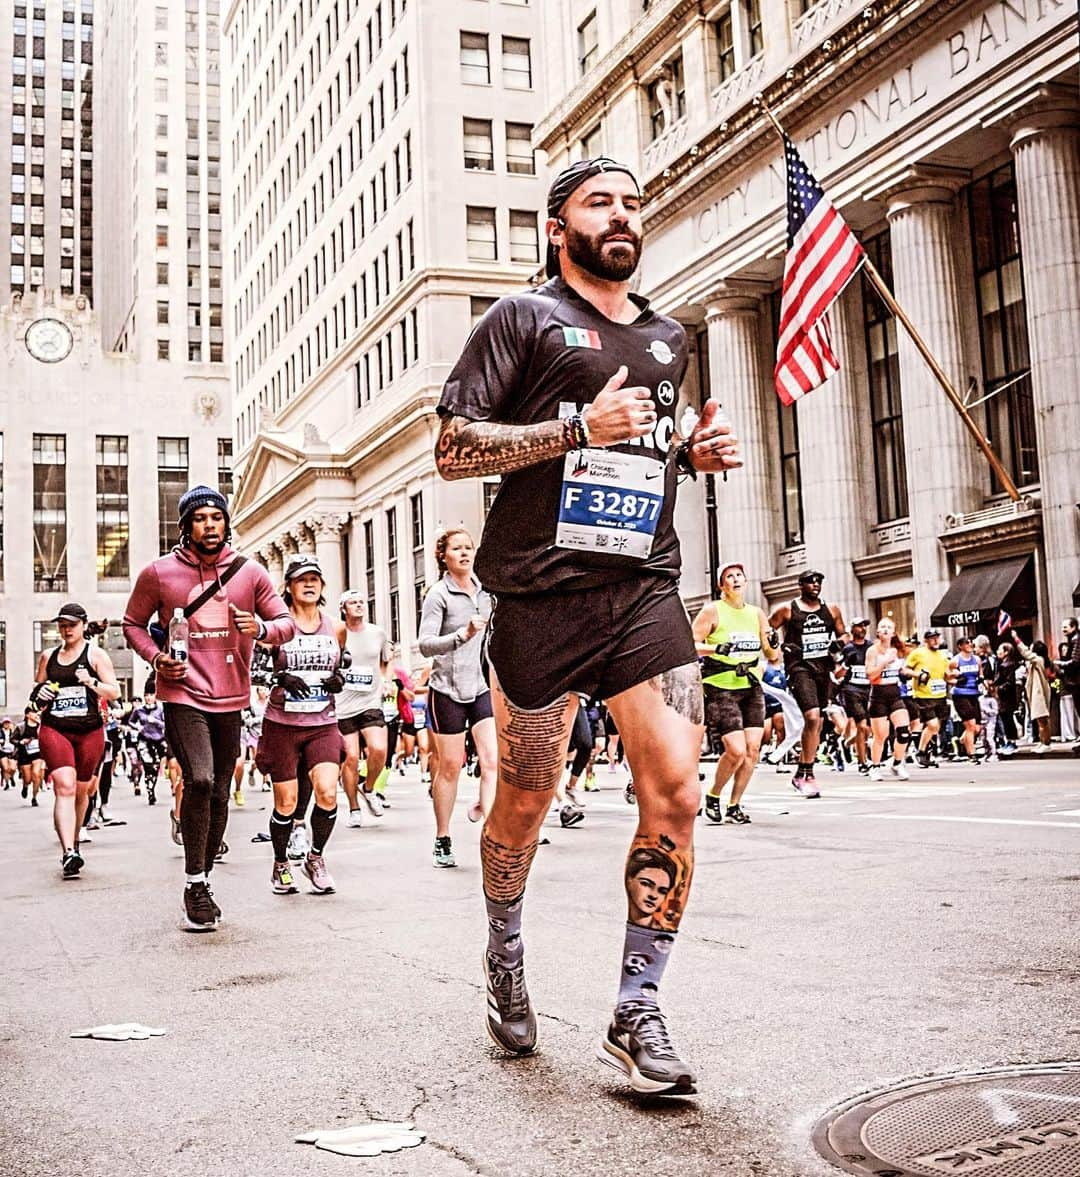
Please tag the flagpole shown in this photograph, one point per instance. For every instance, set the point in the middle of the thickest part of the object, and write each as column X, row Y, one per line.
column 887, row 298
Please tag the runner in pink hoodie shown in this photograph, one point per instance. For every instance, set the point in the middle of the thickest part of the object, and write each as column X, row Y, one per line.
column 205, row 693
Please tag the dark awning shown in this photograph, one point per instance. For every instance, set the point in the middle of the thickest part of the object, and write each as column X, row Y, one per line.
column 978, row 592
column 1076, row 594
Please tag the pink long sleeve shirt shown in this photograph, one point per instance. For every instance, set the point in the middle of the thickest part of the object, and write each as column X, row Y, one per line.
column 219, row 658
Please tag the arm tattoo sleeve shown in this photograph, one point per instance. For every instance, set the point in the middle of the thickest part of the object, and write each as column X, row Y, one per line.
column 532, row 746
column 658, row 875
column 506, row 868
column 470, row 449
column 682, row 691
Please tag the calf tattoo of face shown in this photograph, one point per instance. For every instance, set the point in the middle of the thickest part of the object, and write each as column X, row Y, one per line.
column 657, row 880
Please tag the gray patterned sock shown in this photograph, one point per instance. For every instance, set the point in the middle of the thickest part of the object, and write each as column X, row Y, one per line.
column 645, row 956
column 504, row 930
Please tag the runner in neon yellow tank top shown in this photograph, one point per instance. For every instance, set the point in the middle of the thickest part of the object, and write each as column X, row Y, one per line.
column 734, row 639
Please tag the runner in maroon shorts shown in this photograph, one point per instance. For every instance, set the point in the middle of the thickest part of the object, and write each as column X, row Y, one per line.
column 300, row 731
column 71, row 680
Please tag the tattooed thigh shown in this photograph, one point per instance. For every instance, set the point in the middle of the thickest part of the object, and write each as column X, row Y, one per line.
column 532, row 746
column 682, row 691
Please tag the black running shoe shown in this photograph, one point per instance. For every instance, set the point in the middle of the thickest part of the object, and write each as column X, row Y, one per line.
column 571, row 815
column 151, row 796
column 637, row 1044
column 24, row 791
column 222, row 850
column 923, row 759
column 199, row 908
column 71, row 864
column 737, row 815
column 213, row 904
column 714, row 811
column 511, row 1021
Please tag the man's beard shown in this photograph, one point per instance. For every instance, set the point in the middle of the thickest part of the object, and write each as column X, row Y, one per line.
column 205, row 549
column 587, row 252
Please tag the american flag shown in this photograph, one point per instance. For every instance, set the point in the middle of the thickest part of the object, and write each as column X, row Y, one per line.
column 1004, row 622
column 822, row 255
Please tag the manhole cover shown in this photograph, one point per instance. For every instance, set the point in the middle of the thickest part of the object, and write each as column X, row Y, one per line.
column 1012, row 1122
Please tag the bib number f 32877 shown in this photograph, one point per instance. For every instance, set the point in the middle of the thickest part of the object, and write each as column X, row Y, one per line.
column 610, row 503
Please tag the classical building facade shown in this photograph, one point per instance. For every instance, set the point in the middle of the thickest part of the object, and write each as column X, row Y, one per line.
column 948, row 135
column 114, row 395
column 381, row 192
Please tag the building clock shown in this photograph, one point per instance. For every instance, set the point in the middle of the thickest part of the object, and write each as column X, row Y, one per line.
column 49, row 340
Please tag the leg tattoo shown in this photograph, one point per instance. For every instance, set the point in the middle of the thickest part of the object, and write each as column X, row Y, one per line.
column 506, row 868
column 531, row 747
column 682, row 691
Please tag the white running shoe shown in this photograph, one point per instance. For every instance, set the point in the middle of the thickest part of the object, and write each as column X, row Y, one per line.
column 899, row 770
column 356, row 819
column 373, row 802
column 299, row 842
column 875, row 773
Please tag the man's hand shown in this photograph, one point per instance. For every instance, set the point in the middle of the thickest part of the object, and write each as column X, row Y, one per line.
column 619, row 414
column 170, row 669
column 713, row 447
column 245, row 622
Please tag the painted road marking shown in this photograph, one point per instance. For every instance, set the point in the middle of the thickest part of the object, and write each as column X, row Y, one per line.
column 989, row 821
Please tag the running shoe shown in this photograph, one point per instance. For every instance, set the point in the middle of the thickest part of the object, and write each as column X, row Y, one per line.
column 385, row 801
column 571, row 815
column 737, row 815
column 590, row 782
column 443, row 854
column 199, row 908
column 511, row 1021
column 34, row 802
column 314, row 866
column 356, row 819
column 630, row 793
column 374, row 803
column 714, row 810
column 238, row 797
column 177, row 836
column 864, row 767
column 281, row 879
column 803, row 782
column 213, row 903
column 71, row 864
column 572, row 797
column 299, row 842
column 899, row 770
column 637, row 1044
column 222, row 850
column 24, row 792
column 138, row 791
column 923, row 759
column 993, row 758
column 875, row 774
column 151, row 795
column 92, row 824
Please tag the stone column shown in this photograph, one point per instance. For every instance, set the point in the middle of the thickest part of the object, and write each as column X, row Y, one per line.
column 943, row 471
column 303, row 539
column 739, row 380
column 327, row 532
column 272, row 558
column 833, row 435
column 1046, row 147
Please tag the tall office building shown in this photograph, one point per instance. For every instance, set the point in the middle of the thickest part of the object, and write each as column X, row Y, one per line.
column 381, row 191
column 115, row 394
column 948, row 134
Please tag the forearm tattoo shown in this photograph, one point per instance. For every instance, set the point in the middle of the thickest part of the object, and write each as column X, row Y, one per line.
column 532, row 746
column 506, row 868
column 469, row 449
column 658, row 878
column 682, row 691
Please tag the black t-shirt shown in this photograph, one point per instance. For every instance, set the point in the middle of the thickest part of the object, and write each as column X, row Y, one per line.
column 539, row 356
column 855, row 658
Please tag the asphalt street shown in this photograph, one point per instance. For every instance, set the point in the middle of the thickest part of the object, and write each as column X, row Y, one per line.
column 831, row 947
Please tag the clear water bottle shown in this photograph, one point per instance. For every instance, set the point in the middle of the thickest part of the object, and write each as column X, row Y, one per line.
column 178, row 636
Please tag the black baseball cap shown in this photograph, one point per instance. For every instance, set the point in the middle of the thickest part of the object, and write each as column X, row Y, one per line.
column 863, row 621
column 931, row 633
column 71, row 612
column 810, row 574
column 566, row 183
column 302, row 565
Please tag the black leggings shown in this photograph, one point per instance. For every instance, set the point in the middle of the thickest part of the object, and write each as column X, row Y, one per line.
column 104, row 782
column 581, row 742
column 207, row 744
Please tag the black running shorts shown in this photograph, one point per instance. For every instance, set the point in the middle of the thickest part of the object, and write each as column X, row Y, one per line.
column 449, row 717
column 855, row 702
column 810, row 683
column 931, row 709
column 884, row 700
column 373, row 717
column 600, row 641
column 967, row 708
column 732, row 711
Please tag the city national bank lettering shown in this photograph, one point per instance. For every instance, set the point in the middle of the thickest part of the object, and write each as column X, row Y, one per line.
column 957, row 60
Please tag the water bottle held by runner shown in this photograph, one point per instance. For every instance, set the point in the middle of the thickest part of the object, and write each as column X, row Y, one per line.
column 178, row 636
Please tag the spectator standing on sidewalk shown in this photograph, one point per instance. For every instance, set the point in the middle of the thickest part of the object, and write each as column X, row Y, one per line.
column 1036, row 689
column 1068, row 668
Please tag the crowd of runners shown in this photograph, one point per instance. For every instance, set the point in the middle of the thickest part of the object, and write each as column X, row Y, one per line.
column 554, row 651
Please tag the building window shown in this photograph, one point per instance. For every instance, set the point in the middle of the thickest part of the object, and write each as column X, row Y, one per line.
column 479, row 152
column 787, row 428
column 524, row 237
column 725, row 45
column 369, row 567
column 224, row 466
column 516, row 63
column 587, row 43
column 172, row 455
column 416, row 518
column 592, row 143
column 667, row 98
column 479, row 305
column 50, row 512
column 475, row 61
column 1, row 507
column 112, row 508
column 480, row 240
column 491, row 489
column 1006, row 364
column 162, row 349
column 755, row 38
column 883, row 374
column 520, row 158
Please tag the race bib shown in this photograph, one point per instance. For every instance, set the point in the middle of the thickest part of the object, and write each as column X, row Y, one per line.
column 745, row 643
column 69, row 704
column 360, row 678
column 937, row 688
column 891, row 673
column 313, row 702
column 857, row 677
column 815, row 644
column 33, row 747
column 610, row 502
